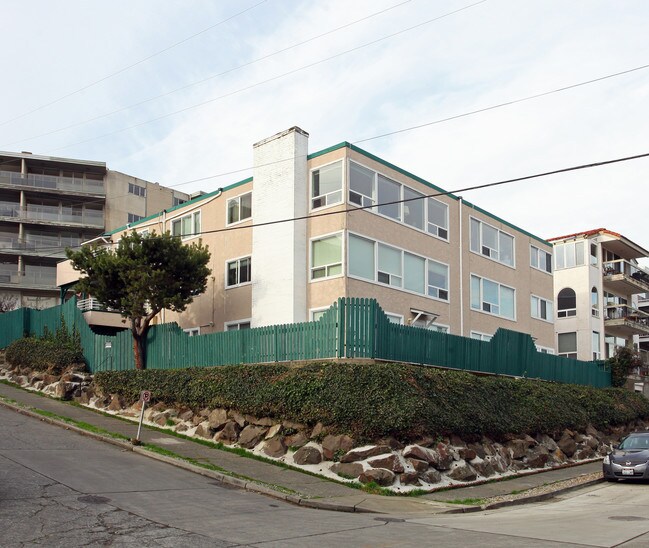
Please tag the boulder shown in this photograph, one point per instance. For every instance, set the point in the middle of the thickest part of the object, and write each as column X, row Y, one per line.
column 444, row 457
column 409, row 478
column 365, row 453
column 420, row 453
column 264, row 421
column 65, row 390
column 391, row 463
column 297, row 440
column 591, row 442
column 182, row 427
column 498, row 463
column 217, row 419
column 483, row 467
column 467, row 454
column 584, row 452
column 292, row 425
column 237, row 417
column 186, row 416
column 275, row 448
column 479, row 450
column 567, row 446
column 431, row 476
column 349, row 470
column 456, row 441
column 537, row 457
column 463, row 472
column 251, row 435
column 517, row 448
column 318, row 431
column 418, row 465
column 592, row 431
column 546, row 441
column 334, row 445
column 274, row 431
column 229, row 433
column 117, row 403
column 161, row 419
column 203, row 430
column 380, row 476
column 307, row 455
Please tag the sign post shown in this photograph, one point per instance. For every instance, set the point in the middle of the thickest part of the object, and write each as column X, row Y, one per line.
column 145, row 397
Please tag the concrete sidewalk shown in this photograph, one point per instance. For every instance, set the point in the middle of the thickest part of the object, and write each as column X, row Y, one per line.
column 262, row 477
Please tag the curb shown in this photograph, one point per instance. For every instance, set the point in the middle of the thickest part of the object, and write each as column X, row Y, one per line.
column 226, row 479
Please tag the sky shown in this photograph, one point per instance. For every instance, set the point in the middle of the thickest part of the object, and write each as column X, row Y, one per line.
column 180, row 90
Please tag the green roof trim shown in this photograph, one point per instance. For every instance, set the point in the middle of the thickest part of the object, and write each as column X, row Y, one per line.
column 179, row 206
column 424, row 182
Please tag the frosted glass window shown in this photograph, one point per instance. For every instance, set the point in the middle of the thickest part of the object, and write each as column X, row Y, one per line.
column 361, row 257
column 414, row 273
column 389, row 268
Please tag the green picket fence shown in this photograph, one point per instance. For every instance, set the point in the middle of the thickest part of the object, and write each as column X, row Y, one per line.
column 351, row 328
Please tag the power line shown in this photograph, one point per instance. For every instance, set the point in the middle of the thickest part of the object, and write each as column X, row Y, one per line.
column 268, row 80
column 127, row 67
column 423, row 196
column 213, row 76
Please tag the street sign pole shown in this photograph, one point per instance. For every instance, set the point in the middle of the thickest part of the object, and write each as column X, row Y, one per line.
column 145, row 397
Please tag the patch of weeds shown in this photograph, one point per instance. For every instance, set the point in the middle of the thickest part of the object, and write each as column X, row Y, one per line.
column 466, row 502
column 170, row 422
column 374, row 488
column 338, row 454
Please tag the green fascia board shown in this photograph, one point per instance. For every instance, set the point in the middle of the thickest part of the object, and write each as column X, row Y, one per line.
column 179, row 206
column 346, row 144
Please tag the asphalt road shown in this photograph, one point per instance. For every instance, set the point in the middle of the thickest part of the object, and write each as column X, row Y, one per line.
column 61, row 489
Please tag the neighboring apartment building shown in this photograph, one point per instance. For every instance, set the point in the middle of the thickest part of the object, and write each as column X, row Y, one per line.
column 438, row 262
column 597, row 282
column 48, row 204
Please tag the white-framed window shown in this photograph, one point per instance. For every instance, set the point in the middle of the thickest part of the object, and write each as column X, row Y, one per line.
column 238, row 325
column 480, row 336
column 384, row 264
column 144, row 232
column 368, row 188
column 596, row 346
column 187, row 226
column 493, row 297
column 567, row 345
column 137, row 190
column 193, row 331
column 176, row 201
column 327, row 185
column 566, row 303
column 569, row 255
column 541, row 260
column 594, row 302
column 431, row 326
column 593, row 255
column 238, row 272
column 239, row 208
column 327, row 257
column 544, row 349
column 492, row 242
column 317, row 313
column 541, row 309
column 394, row 318
column 133, row 218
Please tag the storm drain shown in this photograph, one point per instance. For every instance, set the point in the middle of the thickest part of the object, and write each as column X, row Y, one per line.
column 93, row 499
column 627, row 518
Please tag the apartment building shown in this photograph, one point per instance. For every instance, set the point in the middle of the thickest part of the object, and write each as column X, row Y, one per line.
column 48, row 204
column 598, row 285
column 308, row 228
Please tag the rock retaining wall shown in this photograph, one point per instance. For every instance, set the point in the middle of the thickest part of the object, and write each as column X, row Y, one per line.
column 431, row 463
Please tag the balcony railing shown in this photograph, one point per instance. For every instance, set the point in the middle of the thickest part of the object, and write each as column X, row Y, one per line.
column 37, row 279
column 47, row 182
column 38, row 244
column 624, row 320
column 87, row 217
column 621, row 270
column 90, row 304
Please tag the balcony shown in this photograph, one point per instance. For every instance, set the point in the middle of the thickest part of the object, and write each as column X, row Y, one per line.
column 51, row 182
column 624, row 321
column 97, row 314
column 624, row 278
column 30, row 280
column 35, row 246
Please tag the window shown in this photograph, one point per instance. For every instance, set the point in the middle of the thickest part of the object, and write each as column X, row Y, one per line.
column 367, row 188
column 593, row 254
column 177, row 201
column 317, row 314
column 437, row 218
column 389, row 191
column 491, row 242
column 542, row 309
column 187, row 226
column 237, row 326
column 238, row 272
column 361, row 185
column 394, row 318
column 567, row 303
column 137, row 190
column 327, row 185
column 544, row 349
column 568, row 345
column 239, row 208
column 480, row 336
column 492, row 297
column 594, row 302
column 388, row 265
column 569, row 255
column 540, row 259
column 193, row 331
column 133, row 218
column 326, row 257
column 427, row 324
column 596, row 349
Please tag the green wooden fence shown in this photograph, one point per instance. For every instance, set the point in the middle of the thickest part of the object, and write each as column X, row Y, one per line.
column 351, row 328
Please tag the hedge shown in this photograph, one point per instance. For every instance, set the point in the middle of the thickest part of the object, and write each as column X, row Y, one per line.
column 370, row 401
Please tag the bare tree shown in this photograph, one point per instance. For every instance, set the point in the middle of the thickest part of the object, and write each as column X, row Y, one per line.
column 8, row 303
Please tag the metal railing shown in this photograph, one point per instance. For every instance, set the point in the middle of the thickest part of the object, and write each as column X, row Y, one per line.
column 40, row 279
column 66, row 184
column 36, row 243
column 86, row 305
column 620, row 266
column 626, row 312
column 53, row 213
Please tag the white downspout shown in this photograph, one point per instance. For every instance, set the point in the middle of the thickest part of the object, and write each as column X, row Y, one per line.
column 461, row 271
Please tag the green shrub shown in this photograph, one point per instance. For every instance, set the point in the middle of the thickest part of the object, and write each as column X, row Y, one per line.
column 372, row 401
column 53, row 352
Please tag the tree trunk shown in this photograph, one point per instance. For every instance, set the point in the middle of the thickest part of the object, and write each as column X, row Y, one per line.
column 139, row 352
column 139, row 329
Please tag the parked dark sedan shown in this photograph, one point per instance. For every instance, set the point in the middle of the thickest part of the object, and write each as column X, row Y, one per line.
column 629, row 459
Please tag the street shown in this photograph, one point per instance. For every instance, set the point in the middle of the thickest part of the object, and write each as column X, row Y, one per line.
column 58, row 488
